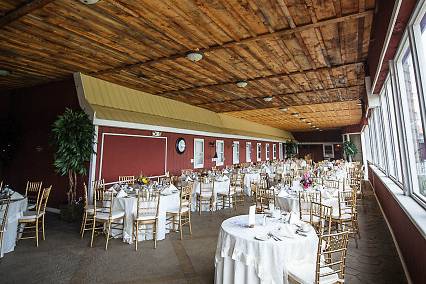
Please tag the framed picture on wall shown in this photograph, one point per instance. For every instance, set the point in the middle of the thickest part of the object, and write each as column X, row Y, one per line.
column 328, row 150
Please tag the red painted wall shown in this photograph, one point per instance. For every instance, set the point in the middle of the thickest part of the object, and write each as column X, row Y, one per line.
column 410, row 241
column 121, row 149
column 34, row 110
column 316, row 136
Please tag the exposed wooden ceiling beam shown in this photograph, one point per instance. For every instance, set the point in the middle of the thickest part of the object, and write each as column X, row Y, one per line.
column 278, row 33
column 22, row 11
column 319, row 92
column 273, row 76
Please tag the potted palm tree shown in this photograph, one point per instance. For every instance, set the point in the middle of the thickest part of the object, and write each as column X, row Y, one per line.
column 350, row 149
column 73, row 135
column 291, row 148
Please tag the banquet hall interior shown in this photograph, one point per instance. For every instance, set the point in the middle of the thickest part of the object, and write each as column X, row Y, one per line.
column 213, row 141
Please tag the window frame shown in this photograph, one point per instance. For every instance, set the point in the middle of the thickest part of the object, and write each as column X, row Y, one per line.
column 222, row 161
column 259, row 152
column 248, row 152
column 198, row 166
column 267, row 151
column 235, row 150
column 274, row 151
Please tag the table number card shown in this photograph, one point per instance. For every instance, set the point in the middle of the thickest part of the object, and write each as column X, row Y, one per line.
column 252, row 216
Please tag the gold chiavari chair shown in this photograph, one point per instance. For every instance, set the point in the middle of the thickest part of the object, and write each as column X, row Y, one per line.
column 4, row 209
column 287, row 180
column 88, row 210
column 32, row 193
column 129, row 180
column 305, row 200
column 237, row 183
column 182, row 216
column 1, row 185
column 321, row 216
column 226, row 199
column 103, row 202
column 206, row 194
column 148, row 205
column 332, row 184
column 34, row 219
column 330, row 264
column 264, row 197
column 347, row 219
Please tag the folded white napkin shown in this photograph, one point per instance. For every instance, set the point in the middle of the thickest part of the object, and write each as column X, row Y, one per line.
column 219, row 179
column 167, row 191
column 225, row 171
column 112, row 189
column 188, row 179
column 16, row 195
column 286, row 231
column 225, row 178
column 121, row 193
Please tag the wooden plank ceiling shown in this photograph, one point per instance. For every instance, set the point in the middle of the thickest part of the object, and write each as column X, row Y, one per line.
column 306, row 54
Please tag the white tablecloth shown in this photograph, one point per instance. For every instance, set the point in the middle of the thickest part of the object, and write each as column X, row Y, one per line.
column 128, row 204
column 248, row 178
column 240, row 258
column 290, row 203
column 219, row 187
column 16, row 210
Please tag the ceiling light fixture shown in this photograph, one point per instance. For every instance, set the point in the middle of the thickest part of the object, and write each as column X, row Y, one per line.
column 295, row 114
column 241, row 84
column 303, row 119
column 309, row 123
column 267, row 99
column 284, row 109
column 4, row 72
column 89, row 2
column 194, row 56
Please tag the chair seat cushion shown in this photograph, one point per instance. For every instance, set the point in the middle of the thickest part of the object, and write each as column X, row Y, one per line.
column 30, row 215
column 344, row 216
column 307, row 218
column 205, row 194
column 304, row 273
column 176, row 210
column 114, row 215
column 90, row 209
column 144, row 217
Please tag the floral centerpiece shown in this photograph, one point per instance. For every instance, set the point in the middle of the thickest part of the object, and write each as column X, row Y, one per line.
column 306, row 180
column 142, row 180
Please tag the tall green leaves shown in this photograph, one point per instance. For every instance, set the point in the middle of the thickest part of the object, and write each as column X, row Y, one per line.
column 350, row 148
column 73, row 134
column 291, row 148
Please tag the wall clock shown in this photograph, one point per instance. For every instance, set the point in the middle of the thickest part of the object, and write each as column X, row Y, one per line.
column 180, row 145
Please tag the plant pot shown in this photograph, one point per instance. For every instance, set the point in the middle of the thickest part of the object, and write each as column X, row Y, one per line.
column 71, row 212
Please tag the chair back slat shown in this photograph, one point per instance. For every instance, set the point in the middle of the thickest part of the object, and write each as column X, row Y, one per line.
column 148, row 203
column 32, row 191
column 44, row 197
column 4, row 209
column 129, row 180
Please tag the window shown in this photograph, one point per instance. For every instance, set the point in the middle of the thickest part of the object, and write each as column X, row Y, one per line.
column 274, row 151
column 411, row 104
column 280, row 151
column 235, row 152
column 328, row 150
column 220, row 152
column 248, row 152
column 267, row 151
column 198, row 153
column 259, row 152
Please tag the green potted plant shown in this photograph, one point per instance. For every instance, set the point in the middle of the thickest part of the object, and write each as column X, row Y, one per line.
column 350, row 149
column 73, row 135
column 291, row 148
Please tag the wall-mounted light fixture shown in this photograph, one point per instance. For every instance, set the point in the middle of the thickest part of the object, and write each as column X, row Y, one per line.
column 156, row 133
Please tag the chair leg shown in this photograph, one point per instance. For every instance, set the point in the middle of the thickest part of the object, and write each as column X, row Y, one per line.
column 44, row 237
column 136, row 233
column 189, row 220
column 180, row 226
column 93, row 231
column 199, row 206
column 83, row 224
column 36, row 223
column 108, row 232
column 154, row 229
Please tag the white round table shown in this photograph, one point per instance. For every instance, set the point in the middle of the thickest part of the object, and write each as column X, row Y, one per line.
column 128, row 205
column 240, row 258
column 18, row 205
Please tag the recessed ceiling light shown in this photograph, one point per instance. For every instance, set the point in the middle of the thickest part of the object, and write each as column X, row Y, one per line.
column 4, row 72
column 89, row 2
column 309, row 122
column 194, row 56
column 241, row 84
column 268, row 99
column 295, row 114
column 284, row 109
column 303, row 119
